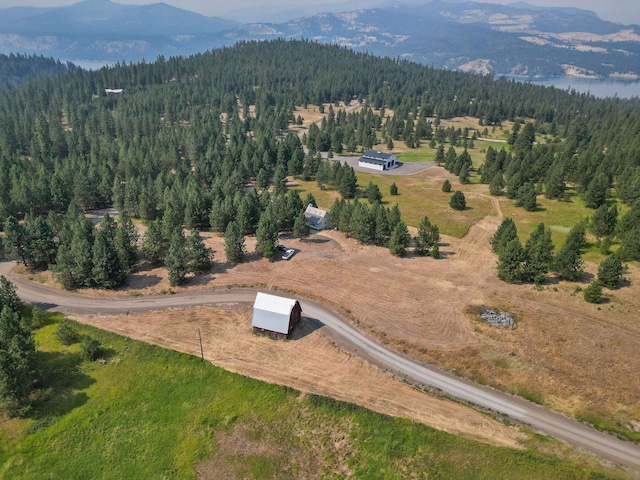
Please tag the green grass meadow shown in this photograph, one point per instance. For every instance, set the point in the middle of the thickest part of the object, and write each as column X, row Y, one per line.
column 147, row 412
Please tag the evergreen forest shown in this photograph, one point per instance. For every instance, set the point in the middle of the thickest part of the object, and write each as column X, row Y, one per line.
column 204, row 141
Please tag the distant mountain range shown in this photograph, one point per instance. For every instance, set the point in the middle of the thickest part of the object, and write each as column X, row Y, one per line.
column 517, row 40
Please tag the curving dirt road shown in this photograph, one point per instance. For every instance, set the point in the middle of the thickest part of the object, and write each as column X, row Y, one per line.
column 536, row 417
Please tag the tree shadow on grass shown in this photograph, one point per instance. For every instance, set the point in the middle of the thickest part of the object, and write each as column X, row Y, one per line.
column 625, row 282
column 61, row 384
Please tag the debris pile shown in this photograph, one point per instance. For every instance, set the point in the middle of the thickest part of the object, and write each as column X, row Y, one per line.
column 497, row 318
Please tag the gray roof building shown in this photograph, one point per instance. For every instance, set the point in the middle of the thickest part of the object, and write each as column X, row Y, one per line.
column 316, row 218
column 377, row 160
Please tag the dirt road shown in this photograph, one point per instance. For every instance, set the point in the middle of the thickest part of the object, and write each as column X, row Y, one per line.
column 536, row 417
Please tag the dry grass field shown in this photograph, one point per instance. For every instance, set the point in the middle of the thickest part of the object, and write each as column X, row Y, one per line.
column 310, row 363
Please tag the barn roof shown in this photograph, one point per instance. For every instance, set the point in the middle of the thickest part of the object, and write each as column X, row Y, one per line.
column 272, row 313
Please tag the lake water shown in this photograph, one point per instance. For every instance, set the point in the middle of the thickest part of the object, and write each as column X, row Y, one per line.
column 597, row 88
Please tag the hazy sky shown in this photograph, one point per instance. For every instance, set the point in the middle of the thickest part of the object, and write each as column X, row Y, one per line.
column 621, row 11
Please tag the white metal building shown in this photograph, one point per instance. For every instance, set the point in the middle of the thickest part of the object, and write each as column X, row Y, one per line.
column 377, row 160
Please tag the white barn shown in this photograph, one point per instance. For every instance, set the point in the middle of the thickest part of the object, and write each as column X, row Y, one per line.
column 316, row 218
column 377, row 160
column 275, row 316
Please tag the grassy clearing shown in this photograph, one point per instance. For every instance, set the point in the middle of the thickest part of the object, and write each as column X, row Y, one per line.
column 559, row 216
column 556, row 215
column 419, row 195
column 147, row 412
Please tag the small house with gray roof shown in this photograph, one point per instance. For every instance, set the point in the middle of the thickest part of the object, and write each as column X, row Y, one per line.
column 317, row 219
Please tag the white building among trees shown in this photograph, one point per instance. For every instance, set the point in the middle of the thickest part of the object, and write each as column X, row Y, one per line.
column 317, row 219
column 377, row 160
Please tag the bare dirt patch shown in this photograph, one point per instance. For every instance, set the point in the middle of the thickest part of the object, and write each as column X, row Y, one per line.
column 310, row 363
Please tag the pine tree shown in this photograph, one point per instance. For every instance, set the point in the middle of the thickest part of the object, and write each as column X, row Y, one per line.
column 14, row 240
column 301, row 227
column 393, row 217
column 8, row 296
column 266, row 235
column 248, row 213
column 196, row 206
column 39, row 243
column 154, row 246
column 107, row 270
column 126, row 241
column 393, row 189
column 170, row 223
column 382, row 230
column 630, row 245
column 464, row 177
column 446, row 186
column 596, row 193
column 400, row 239
column 234, row 243
column 526, row 197
column 372, row 192
column 496, row 186
column 74, row 260
column 348, row 185
column 427, row 238
column 439, row 158
column 17, row 360
column 577, row 237
column 176, row 259
column 197, row 253
column 604, row 220
column 511, row 262
column 458, row 202
column 539, row 254
column 610, row 271
column 593, row 293
column 568, row 263
column 310, row 200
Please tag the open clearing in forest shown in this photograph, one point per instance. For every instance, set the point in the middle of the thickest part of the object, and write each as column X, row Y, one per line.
column 419, row 195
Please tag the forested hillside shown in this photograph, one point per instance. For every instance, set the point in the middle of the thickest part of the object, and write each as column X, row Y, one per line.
column 15, row 69
column 180, row 145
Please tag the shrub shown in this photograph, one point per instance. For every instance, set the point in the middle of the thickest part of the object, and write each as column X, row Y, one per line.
column 91, row 349
column 593, row 293
column 66, row 334
column 38, row 318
